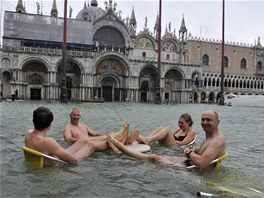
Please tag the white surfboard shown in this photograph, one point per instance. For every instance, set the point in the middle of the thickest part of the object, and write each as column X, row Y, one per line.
column 138, row 147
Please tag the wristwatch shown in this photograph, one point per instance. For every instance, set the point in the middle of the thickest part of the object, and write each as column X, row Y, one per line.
column 188, row 154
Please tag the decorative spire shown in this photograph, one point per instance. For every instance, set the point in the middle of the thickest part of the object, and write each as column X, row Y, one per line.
column 54, row 10
column 183, row 28
column 259, row 43
column 156, row 27
column 85, row 12
column 133, row 21
column 20, row 8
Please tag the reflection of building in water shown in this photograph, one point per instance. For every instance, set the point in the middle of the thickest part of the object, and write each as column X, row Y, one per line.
column 106, row 57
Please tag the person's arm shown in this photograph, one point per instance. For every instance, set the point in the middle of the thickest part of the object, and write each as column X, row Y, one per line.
column 189, row 137
column 204, row 160
column 67, row 134
column 91, row 132
column 55, row 149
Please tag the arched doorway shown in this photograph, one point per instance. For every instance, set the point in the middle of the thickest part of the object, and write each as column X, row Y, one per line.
column 6, row 88
column 108, row 85
column 148, row 83
column 35, row 73
column 195, row 97
column 203, row 97
column 73, row 78
column 173, row 80
column 144, row 91
column 69, row 86
column 111, row 73
column 211, row 97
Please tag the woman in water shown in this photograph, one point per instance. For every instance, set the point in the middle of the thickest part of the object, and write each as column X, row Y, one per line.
column 182, row 136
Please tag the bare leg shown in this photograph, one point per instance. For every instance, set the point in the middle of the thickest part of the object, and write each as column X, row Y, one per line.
column 123, row 134
column 124, row 149
column 157, row 130
column 77, row 146
column 122, row 137
column 139, row 155
column 162, row 134
column 90, row 147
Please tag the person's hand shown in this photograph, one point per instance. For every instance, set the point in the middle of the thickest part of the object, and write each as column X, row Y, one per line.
column 188, row 150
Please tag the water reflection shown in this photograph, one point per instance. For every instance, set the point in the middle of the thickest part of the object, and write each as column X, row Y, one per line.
column 107, row 175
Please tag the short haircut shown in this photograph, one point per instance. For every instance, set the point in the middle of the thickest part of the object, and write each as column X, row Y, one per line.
column 75, row 109
column 216, row 115
column 42, row 118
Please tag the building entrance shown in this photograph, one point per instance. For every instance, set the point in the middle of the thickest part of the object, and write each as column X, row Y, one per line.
column 35, row 94
column 107, row 93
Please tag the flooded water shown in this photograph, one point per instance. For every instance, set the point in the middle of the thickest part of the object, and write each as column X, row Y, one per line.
column 106, row 175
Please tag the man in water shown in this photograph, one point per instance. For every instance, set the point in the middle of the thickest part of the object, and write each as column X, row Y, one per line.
column 76, row 130
column 37, row 139
column 213, row 146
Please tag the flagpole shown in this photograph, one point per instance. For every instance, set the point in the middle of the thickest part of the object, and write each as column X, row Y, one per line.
column 222, row 100
column 64, row 95
column 158, row 94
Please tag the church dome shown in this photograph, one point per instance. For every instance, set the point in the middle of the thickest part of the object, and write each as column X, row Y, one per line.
column 90, row 13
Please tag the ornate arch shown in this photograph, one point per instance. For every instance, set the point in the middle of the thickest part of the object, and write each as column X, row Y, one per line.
column 73, row 71
column 34, row 71
column 169, row 45
column 111, row 64
column 144, row 42
column 35, row 59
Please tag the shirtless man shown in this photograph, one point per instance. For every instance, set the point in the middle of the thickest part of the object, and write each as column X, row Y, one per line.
column 37, row 139
column 213, row 146
column 76, row 130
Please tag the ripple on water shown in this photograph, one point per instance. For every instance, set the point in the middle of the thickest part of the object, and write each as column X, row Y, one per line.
column 107, row 175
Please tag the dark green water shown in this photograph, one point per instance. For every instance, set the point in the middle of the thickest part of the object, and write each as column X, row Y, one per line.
column 106, row 175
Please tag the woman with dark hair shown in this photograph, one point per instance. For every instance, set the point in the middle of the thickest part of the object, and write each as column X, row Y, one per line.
column 182, row 136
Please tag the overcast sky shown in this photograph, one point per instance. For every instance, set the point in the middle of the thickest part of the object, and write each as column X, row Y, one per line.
column 244, row 20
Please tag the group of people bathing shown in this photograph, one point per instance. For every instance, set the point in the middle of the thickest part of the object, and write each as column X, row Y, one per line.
column 84, row 141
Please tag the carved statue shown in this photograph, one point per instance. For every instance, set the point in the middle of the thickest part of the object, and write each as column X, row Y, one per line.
column 38, row 7
column 70, row 12
column 106, row 5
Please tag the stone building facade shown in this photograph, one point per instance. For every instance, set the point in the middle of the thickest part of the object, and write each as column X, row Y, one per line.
column 107, row 58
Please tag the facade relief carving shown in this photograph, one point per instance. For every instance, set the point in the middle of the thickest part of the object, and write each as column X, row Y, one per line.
column 169, row 46
column 5, row 63
column 144, row 43
column 110, row 65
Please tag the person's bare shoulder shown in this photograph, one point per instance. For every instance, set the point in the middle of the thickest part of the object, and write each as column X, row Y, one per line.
column 68, row 128
column 218, row 142
column 29, row 131
column 69, row 125
column 52, row 144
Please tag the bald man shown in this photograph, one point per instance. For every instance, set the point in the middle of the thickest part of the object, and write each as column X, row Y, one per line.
column 214, row 144
column 76, row 130
column 212, row 147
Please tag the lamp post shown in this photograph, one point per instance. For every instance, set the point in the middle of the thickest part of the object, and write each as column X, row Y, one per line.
column 158, row 97
column 63, row 94
column 222, row 99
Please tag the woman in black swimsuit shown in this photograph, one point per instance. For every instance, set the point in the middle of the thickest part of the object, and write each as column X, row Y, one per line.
column 183, row 136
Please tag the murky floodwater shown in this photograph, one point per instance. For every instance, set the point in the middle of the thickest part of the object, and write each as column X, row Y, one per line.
column 106, row 175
